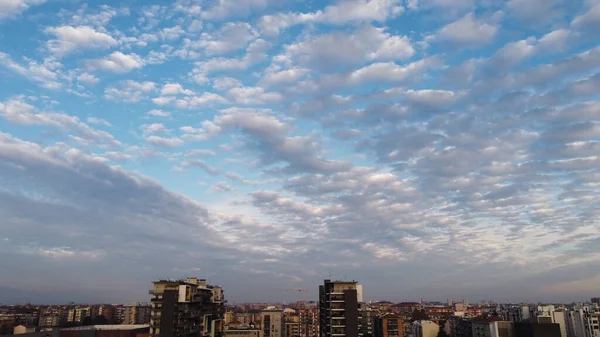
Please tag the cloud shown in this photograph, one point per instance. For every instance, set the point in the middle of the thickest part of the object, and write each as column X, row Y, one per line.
column 69, row 39
column 338, row 14
column 467, row 31
column 197, row 163
column 158, row 113
column 175, row 89
column 223, row 9
column 33, row 71
column 88, row 79
column 12, row 8
column 164, row 141
column 98, row 121
column 366, row 44
column 230, row 37
column 148, row 129
column 255, row 53
column 18, row 111
column 590, row 19
column 538, row 12
column 129, row 91
column 253, row 95
column 117, row 62
column 270, row 138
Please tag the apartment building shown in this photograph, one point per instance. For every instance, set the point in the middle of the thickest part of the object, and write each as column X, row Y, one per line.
column 137, row 313
column 272, row 322
column 338, row 308
column 186, row 308
column 389, row 325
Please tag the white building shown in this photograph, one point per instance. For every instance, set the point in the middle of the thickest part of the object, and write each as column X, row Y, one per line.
column 425, row 329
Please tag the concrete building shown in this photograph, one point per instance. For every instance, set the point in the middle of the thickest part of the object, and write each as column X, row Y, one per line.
column 137, row 313
column 24, row 329
column 242, row 333
column 338, row 308
column 533, row 329
column 366, row 322
column 549, row 314
column 187, row 307
column 292, row 325
column 272, row 322
column 493, row 327
column 106, row 331
column 518, row 314
column 425, row 329
column 592, row 324
column 575, row 323
column 389, row 325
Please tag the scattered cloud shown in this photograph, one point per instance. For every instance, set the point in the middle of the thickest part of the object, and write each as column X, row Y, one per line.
column 129, row 91
column 70, row 39
column 117, row 62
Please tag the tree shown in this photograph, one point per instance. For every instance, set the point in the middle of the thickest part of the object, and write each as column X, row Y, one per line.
column 419, row 315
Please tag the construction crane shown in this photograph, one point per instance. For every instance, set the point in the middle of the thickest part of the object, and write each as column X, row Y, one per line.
column 296, row 290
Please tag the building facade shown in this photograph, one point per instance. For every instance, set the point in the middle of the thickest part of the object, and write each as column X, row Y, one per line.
column 186, row 308
column 425, row 329
column 338, row 308
column 137, row 313
column 272, row 323
column 389, row 325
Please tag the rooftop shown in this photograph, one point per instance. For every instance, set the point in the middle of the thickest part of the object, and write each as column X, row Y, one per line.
column 109, row 327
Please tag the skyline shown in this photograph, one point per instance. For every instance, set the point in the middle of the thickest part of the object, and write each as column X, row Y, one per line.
column 423, row 147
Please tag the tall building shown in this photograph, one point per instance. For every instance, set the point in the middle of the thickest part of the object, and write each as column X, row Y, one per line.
column 366, row 322
column 389, row 325
column 136, row 313
column 533, row 329
column 596, row 300
column 493, row 327
column 272, row 322
column 292, row 325
column 338, row 308
column 425, row 329
column 186, row 308
column 548, row 314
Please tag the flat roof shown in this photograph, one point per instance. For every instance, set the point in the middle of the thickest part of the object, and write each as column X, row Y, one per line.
column 109, row 327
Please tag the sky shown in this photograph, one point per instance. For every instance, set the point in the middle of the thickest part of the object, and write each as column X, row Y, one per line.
column 429, row 149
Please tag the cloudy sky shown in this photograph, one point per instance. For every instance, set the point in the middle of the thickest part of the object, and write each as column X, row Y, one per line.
column 428, row 148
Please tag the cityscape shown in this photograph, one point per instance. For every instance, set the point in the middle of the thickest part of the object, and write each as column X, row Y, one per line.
column 192, row 307
column 300, row 168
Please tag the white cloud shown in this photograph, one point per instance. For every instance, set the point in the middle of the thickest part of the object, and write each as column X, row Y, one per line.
column 467, row 31
column 283, row 77
column 149, row 129
column 224, row 83
column 158, row 113
column 343, row 12
column 117, row 62
column 254, row 53
column 590, row 19
column 365, row 44
column 129, row 91
column 88, row 79
column 32, row 71
column 222, row 9
column 171, row 33
column 253, row 95
column 175, row 89
column 164, row 141
column 230, row 37
column 17, row 110
column 98, row 121
column 70, row 39
column 11, row 8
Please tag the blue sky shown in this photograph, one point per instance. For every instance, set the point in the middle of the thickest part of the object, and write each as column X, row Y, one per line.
column 427, row 148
